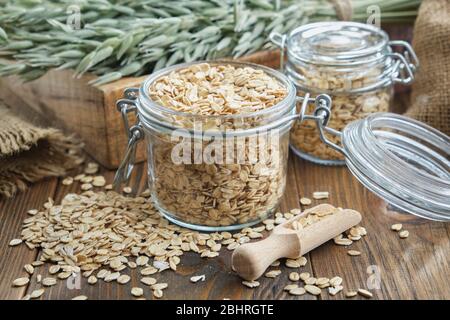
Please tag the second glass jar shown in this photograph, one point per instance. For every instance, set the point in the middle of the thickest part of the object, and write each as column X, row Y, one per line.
column 352, row 62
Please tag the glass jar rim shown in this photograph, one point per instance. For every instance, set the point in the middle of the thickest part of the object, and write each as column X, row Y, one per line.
column 340, row 59
column 399, row 159
column 146, row 105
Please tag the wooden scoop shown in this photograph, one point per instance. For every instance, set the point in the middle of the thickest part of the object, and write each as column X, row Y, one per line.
column 250, row 260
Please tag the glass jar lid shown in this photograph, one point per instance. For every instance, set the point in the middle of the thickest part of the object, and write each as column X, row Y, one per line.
column 335, row 43
column 402, row 160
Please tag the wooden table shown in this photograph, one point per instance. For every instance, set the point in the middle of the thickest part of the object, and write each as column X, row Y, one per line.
column 412, row 268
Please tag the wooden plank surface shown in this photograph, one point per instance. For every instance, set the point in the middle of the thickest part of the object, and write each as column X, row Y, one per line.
column 12, row 213
column 413, row 268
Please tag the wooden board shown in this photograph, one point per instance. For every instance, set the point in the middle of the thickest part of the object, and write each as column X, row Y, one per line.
column 412, row 268
column 62, row 101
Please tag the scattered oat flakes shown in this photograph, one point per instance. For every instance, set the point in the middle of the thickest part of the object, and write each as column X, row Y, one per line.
column 37, row 263
column 335, row 290
column 54, row 269
column 112, row 276
column 342, row 241
column 251, row 284
column 158, row 293
column 98, row 181
column 312, row 289
column 318, row 195
column 292, row 263
column 322, row 282
column 137, row 292
column 48, row 282
column 29, row 269
column 123, row 279
column 91, row 168
column 403, row 234
column 163, row 265
column 276, row 263
column 302, row 261
column 37, row 293
column 294, row 276
column 305, row 201
column 86, row 186
column 78, row 177
column 365, row 293
column 272, row 274
column 353, row 253
column 336, row 281
column 297, row 291
column 19, row 282
column 290, row 286
column 92, row 280
column 32, row 212
column 310, row 280
column 149, row 281
column 142, row 260
column 195, row 279
column 351, row 294
column 397, row 227
column 81, row 297
column 15, row 242
column 159, row 286
column 148, row 271
column 64, row 275
column 67, row 181
column 304, row 276
column 127, row 190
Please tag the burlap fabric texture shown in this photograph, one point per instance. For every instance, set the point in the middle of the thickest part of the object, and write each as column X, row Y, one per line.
column 29, row 153
column 430, row 99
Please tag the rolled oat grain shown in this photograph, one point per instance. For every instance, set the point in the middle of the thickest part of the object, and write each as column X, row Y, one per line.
column 297, row 291
column 403, row 234
column 365, row 293
column 37, row 293
column 19, row 282
column 137, row 292
column 312, row 289
column 294, row 276
column 251, row 284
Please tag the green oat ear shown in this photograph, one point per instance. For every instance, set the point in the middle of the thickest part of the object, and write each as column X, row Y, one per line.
column 156, row 33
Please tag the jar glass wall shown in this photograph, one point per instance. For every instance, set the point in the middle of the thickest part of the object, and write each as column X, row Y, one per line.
column 354, row 64
column 221, row 172
column 210, row 195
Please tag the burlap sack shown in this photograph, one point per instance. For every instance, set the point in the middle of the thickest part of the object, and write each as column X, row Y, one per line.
column 431, row 91
column 29, row 153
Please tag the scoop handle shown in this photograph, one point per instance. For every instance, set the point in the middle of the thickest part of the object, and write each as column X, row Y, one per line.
column 250, row 260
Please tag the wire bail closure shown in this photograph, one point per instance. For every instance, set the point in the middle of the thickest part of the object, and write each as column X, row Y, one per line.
column 134, row 135
column 280, row 41
column 406, row 63
column 321, row 115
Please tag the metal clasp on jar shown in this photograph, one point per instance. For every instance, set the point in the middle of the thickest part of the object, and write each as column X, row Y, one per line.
column 406, row 64
column 321, row 116
column 134, row 134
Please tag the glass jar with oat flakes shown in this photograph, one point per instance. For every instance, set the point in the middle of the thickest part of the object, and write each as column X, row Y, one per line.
column 217, row 136
column 352, row 62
